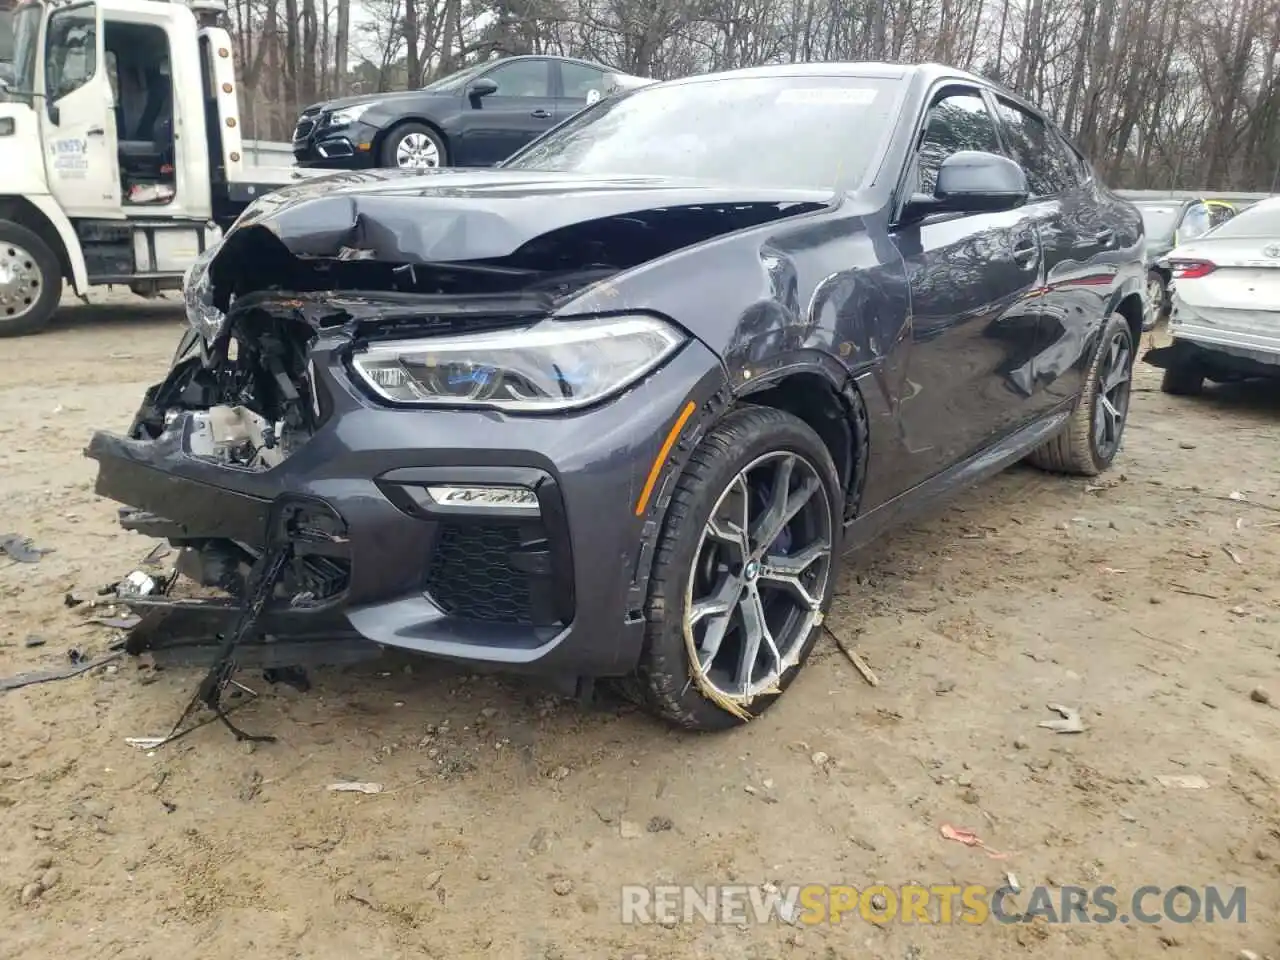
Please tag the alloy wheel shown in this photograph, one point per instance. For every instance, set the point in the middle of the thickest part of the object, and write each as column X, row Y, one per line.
column 1155, row 301
column 759, row 577
column 1112, row 406
column 20, row 281
column 416, row 151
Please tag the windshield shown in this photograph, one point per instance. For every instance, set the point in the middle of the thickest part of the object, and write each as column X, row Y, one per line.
column 26, row 34
column 1160, row 221
column 455, row 80
column 1259, row 222
column 791, row 132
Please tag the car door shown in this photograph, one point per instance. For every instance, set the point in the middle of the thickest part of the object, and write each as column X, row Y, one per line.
column 1079, row 238
column 498, row 124
column 972, row 279
column 580, row 85
column 78, row 126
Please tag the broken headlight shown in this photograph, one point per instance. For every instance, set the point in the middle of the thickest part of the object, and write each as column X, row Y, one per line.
column 553, row 365
column 197, row 294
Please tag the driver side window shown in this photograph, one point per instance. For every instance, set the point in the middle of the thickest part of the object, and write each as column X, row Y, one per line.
column 525, row 78
column 70, row 51
column 958, row 121
column 1195, row 223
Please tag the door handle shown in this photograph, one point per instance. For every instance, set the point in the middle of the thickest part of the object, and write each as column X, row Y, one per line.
column 1105, row 237
column 541, row 114
column 95, row 132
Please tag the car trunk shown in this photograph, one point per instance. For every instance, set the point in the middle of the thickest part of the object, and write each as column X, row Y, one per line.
column 1240, row 294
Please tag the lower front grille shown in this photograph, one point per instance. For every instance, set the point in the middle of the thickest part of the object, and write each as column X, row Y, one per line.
column 472, row 575
column 500, row 571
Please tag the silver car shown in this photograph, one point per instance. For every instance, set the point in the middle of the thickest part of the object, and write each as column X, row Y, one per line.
column 1225, row 319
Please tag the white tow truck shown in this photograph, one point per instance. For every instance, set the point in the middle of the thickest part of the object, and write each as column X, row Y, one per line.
column 120, row 145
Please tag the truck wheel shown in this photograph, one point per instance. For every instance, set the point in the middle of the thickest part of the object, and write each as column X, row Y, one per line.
column 413, row 146
column 30, row 281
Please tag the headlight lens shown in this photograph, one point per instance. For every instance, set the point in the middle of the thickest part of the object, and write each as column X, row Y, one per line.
column 197, row 295
column 553, row 365
column 340, row 118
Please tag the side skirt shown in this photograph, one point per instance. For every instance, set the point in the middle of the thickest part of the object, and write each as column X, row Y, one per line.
column 942, row 486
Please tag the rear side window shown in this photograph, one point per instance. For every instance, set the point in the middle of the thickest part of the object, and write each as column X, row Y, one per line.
column 1038, row 150
column 958, row 121
column 1195, row 223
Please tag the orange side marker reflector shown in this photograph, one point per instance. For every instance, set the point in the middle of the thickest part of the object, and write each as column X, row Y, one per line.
column 654, row 471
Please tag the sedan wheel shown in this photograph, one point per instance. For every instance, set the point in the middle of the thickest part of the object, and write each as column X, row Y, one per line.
column 413, row 146
column 416, row 152
column 743, row 573
column 1155, row 301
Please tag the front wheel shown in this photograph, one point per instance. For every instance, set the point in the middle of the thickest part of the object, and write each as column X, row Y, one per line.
column 744, row 572
column 414, row 146
column 1091, row 437
column 30, row 281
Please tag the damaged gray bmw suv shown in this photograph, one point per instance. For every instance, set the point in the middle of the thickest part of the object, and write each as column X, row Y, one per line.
column 617, row 407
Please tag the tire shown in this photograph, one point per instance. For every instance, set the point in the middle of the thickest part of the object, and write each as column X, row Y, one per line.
column 1157, row 292
column 1184, row 377
column 1090, row 440
column 30, row 281
column 667, row 682
column 389, row 152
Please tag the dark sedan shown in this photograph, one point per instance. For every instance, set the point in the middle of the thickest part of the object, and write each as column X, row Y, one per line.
column 472, row 118
column 618, row 408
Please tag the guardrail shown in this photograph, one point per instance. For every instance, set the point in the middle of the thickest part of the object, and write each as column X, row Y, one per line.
column 1230, row 196
column 268, row 153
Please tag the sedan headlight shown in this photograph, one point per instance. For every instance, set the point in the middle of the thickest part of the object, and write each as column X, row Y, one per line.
column 340, row 118
column 553, row 365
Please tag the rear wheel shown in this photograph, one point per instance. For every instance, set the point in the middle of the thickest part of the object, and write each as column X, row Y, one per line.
column 30, row 281
column 1184, row 377
column 1091, row 438
column 744, row 572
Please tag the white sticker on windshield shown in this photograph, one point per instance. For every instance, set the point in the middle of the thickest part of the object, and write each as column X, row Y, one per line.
column 827, row 96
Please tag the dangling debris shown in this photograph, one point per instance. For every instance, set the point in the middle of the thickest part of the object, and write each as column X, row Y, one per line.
column 20, row 550
column 260, row 583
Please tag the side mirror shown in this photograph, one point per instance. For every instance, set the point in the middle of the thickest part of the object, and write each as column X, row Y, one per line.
column 482, row 88
column 974, row 181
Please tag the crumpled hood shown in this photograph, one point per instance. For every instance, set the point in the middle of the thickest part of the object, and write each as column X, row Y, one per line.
column 451, row 216
column 404, row 216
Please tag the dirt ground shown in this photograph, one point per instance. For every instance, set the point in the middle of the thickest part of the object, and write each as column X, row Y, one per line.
column 1150, row 600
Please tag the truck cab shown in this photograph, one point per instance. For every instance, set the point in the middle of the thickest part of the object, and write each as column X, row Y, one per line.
column 121, row 145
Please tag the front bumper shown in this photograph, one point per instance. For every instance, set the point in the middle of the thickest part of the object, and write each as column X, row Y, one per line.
column 349, row 147
column 560, row 593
